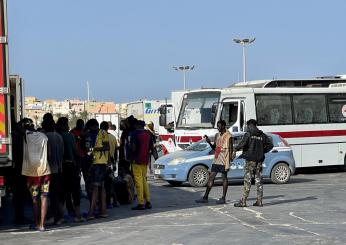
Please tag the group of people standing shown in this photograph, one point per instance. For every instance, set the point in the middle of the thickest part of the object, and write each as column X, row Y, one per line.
column 50, row 161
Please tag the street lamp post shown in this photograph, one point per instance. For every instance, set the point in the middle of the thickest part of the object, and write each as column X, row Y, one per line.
column 244, row 42
column 184, row 69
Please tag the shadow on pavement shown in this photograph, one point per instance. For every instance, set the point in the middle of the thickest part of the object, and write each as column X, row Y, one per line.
column 291, row 200
column 163, row 200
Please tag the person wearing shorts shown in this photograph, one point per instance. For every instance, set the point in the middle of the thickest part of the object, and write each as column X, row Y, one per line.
column 101, row 155
column 223, row 148
column 37, row 170
column 38, row 186
column 97, row 174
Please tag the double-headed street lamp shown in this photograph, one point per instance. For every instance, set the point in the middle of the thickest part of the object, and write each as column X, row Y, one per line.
column 244, row 42
column 184, row 69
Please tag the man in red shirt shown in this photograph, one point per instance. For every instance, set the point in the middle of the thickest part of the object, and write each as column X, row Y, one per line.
column 141, row 146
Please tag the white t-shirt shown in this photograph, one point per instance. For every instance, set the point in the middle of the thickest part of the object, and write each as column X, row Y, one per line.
column 35, row 161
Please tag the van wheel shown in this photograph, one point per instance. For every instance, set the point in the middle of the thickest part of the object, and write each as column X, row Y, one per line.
column 175, row 183
column 280, row 174
column 198, row 176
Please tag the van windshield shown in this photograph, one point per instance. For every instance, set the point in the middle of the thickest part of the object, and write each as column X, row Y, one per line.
column 198, row 146
column 196, row 110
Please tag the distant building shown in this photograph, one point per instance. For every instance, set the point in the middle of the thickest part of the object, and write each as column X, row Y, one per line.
column 48, row 105
column 121, row 109
column 61, row 108
column 77, row 105
column 94, row 107
column 34, row 109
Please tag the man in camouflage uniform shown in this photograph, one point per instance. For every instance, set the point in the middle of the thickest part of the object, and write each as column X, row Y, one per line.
column 254, row 145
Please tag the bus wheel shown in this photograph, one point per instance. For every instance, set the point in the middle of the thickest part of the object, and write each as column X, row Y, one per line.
column 280, row 174
column 198, row 176
column 175, row 183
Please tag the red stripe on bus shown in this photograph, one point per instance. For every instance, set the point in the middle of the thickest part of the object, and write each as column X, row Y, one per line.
column 310, row 134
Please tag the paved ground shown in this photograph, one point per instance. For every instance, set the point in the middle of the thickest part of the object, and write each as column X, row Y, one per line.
column 309, row 210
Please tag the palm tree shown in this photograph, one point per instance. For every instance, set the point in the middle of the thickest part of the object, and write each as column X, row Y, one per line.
column 73, row 118
column 84, row 115
column 58, row 115
column 36, row 120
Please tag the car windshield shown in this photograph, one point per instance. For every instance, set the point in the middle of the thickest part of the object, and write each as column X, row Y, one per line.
column 196, row 110
column 198, row 146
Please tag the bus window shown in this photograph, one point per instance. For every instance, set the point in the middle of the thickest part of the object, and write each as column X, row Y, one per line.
column 273, row 109
column 310, row 108
column 230, row 113
column 337, row 108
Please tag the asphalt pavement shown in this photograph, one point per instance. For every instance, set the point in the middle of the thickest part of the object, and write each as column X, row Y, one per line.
column 309, row 210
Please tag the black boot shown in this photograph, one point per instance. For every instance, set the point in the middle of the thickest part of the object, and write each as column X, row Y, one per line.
column 240, row 204
column 258, row 202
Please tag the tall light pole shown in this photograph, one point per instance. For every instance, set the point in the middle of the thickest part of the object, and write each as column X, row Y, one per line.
column 244, row 42
column 184, row 69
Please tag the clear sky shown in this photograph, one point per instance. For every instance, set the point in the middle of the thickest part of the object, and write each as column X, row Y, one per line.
column 126, row 49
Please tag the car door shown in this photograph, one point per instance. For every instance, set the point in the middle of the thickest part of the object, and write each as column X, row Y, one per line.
column 237, row 165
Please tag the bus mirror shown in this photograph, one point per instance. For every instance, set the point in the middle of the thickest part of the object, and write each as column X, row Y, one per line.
column 214, row 108
column 213, row 119
column 162, row 110
column 213, row 113
column 163, row 120
column 170, row 127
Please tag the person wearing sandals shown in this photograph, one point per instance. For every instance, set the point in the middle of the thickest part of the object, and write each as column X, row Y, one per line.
column 254, row 145
column 223, row 148
column 37, row 171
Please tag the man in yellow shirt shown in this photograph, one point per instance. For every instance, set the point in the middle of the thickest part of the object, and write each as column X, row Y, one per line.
column 101, row 156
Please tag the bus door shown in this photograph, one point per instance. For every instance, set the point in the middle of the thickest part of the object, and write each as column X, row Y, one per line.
column 233, row 112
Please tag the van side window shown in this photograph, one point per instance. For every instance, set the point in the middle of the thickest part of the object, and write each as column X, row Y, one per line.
column 337, row 108
column 273, row 109
column 230, row 113
column 310, row 108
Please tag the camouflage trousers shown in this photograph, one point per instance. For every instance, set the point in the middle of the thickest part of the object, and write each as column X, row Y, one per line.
column 250, row 169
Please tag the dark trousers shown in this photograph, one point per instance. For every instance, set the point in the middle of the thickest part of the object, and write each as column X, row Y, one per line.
column 86, row 163
column 20, row 195
column 71, row 183
column 56, row 196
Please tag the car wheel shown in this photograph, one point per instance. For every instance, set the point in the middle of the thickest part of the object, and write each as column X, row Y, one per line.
column 175, row 183
column 280, row 174
column 198, row 176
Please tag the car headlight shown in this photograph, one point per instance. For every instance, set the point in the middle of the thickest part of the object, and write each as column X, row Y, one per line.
column 177, row 161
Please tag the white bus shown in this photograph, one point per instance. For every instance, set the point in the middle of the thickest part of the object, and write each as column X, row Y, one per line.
column 309, row 114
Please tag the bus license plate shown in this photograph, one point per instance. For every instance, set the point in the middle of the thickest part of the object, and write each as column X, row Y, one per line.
column 157, row 171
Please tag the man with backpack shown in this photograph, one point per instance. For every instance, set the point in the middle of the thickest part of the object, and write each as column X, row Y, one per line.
column 254, row 145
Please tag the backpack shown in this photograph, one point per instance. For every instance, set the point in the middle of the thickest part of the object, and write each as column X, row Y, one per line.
column 35, row 162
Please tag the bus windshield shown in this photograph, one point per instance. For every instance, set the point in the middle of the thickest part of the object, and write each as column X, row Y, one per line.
column 195, row 110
